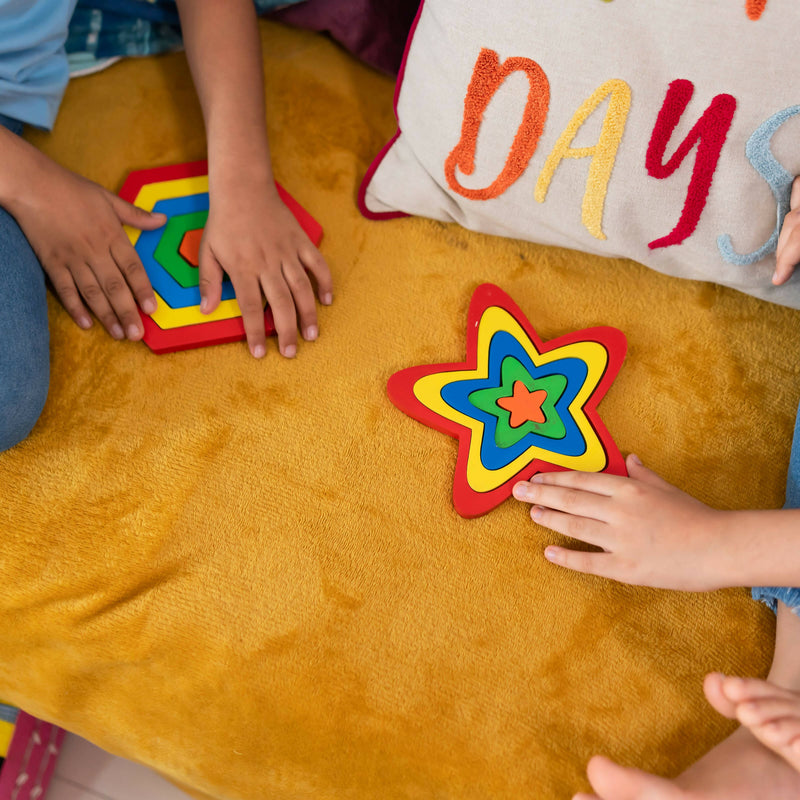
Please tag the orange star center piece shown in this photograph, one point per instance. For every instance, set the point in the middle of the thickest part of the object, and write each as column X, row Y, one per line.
column 524, row 406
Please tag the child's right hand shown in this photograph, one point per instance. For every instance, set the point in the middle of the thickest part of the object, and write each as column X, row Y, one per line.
column 787, row 255
column 75, row 228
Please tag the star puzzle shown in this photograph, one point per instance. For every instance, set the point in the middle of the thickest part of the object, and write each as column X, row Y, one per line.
column 517, row 405
column 170, row 256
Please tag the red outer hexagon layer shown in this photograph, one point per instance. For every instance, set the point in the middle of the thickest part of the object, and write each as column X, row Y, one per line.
column 220, row 332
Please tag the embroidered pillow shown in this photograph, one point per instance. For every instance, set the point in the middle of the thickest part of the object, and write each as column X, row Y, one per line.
column 664, row 132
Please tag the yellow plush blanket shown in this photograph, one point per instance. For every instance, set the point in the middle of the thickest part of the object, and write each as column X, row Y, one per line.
column 249, row 574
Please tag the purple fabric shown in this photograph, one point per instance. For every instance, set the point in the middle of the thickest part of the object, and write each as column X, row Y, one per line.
column 374, row 30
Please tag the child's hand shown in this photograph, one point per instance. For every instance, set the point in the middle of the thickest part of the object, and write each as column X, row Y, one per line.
column 652, row 533
column 75, row 228
column 254, row 237
column 787, row 254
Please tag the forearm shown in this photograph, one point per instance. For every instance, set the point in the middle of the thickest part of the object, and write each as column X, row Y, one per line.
column 762, row 547
column 20, row 170
column 224, row 53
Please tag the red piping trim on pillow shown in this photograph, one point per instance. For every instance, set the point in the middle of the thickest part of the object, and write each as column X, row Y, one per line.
column 362, row 190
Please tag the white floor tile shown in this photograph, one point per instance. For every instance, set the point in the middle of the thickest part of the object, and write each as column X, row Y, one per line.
column 84, row 767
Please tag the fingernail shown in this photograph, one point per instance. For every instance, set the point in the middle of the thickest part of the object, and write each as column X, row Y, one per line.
column 636, row 459
column 327, row 298
column 85, row 323
column 204, row 306
column 551, row 554
column 259, row 351
column 290, row 351
column 521, row 491
column 311, row 333
column 134, row 332
column 536, row 512
column 775, row 277
column 117, row 332
column 149, row 306
column 538, row 478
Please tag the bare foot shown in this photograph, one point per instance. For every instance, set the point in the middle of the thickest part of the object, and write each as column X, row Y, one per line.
column 771, row 713
column 739, row 768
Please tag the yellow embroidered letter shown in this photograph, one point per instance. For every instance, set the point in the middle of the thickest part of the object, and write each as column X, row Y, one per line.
column 603, row 154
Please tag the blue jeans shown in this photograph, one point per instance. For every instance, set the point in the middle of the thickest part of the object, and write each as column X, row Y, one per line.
column 771, row 594
column 24, row 335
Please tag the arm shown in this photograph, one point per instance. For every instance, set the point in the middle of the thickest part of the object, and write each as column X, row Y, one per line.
column 653, row 534
column 75, row 228
column 250, row 234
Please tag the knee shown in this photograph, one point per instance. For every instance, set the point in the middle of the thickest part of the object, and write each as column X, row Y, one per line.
column 24, row 338
column 23, row 392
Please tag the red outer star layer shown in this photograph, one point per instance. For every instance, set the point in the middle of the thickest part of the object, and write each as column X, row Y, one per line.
column 222, row 331
column 468, row 502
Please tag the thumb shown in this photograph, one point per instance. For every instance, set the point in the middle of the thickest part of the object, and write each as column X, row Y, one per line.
column 136, row 217
column 640, row 472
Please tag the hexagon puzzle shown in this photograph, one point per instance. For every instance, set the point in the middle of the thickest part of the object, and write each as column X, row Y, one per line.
column 170, row 258
column 517, row 405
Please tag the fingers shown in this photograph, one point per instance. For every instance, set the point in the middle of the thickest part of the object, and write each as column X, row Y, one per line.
column 96, row 291
column 210, row 279
column 103, row 285
column 598, row 483
column 64, row 286
column 251, row 303
column 566, row 491
column 300, row 286
column 601, row 564
column 280, row 299
column 130, row 265
column 313, row 261
column 134, row 216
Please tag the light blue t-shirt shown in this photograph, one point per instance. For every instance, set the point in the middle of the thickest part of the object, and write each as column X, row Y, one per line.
column 33, row 65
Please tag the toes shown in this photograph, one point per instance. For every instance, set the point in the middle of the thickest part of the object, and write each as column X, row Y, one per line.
column 781, row 734
column 713, row 686
column 613, row 782
column 740, row 690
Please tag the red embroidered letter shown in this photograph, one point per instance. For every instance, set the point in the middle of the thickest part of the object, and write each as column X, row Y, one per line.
column 709, row 134
column 487, row 77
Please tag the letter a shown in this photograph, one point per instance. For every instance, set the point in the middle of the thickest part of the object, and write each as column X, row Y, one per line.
column 603, row 154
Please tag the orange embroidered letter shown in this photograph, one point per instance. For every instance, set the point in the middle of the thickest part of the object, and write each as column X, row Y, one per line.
column 487, row 77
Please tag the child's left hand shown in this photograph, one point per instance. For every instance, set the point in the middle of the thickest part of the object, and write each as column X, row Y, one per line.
column 252, row 235
column 787, row 255
column 653, row 534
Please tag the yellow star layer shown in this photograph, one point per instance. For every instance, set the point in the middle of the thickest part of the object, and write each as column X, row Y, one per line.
column 428, row 390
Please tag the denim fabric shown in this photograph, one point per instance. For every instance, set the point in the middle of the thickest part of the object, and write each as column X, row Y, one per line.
column 101, row 30
column 771, row 594
column 24, row 335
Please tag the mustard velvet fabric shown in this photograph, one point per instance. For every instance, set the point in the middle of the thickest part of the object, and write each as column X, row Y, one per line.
column 249, row 575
